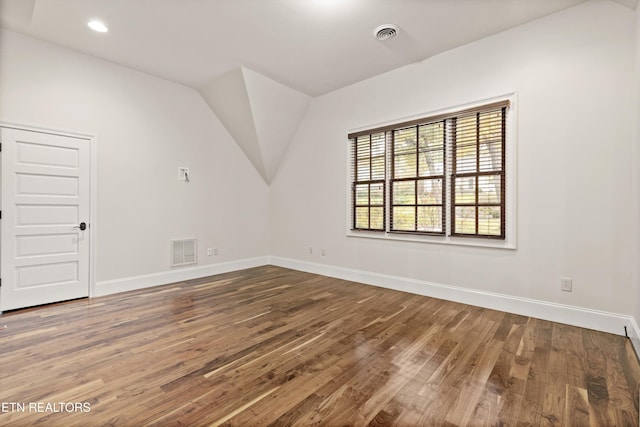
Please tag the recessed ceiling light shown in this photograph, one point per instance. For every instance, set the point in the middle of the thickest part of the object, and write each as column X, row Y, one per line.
column 98, row 26
column 386, row 31
column 327, row 2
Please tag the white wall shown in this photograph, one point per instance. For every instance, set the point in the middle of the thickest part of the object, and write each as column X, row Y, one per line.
column 572, row 72
column 146, row 128
column 635, row 195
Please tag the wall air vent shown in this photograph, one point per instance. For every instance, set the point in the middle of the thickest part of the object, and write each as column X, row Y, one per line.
column 386, row 31
column 183, row 252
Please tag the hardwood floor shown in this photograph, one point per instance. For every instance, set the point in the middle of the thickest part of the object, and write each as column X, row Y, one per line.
column 273, row 347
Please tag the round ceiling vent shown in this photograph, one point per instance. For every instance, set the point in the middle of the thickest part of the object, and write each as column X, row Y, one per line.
column 386, row 31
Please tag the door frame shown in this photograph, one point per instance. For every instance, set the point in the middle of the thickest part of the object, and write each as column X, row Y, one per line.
column 92, row 139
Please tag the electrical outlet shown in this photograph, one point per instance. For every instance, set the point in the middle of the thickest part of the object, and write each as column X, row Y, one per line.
column 209, row 251
column 323, row 252
column 310, row 250
column 216, row 251
column 566, row 284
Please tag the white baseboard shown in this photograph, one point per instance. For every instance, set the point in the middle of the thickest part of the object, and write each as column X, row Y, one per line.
column 570, row 315
column 177, row 275
column 634, row 335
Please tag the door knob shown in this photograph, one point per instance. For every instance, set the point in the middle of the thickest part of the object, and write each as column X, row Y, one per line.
column 82, row 226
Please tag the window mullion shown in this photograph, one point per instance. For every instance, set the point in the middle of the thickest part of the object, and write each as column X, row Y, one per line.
column 389, row 171
column 353, row 184
column 445, row 180
column 503, row 174
column 477, row 182
column 370, row 178
column 415, row 182
column 453, row 169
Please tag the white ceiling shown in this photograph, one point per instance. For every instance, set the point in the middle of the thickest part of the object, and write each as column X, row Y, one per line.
column 257, row 63
column 312, row 46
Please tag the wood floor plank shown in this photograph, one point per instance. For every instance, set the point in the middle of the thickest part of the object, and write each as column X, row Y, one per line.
column 270, row 346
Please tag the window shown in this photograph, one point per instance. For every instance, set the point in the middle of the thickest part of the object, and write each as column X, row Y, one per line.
column 443, row 175
column 477, row 174
column 417, row 178
column 369, row 185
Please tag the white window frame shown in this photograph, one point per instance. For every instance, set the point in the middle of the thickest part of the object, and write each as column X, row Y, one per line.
column 509, row 242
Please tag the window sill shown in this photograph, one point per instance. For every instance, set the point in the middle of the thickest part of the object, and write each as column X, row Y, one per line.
column 438, row 240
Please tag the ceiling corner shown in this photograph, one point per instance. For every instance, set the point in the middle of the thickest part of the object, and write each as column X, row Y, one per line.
column 261, row 115
column 631, row 4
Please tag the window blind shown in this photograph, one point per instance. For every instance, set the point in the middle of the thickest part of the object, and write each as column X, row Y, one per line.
column 439, row 175
column 478, row 174
column 417, row 184
column 369, row 201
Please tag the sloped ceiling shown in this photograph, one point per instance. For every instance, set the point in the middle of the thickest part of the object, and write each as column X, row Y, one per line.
column 312, row 46
column 258, row 62
column 262, row 115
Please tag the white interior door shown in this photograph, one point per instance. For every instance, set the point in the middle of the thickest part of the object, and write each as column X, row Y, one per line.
column 45, row 201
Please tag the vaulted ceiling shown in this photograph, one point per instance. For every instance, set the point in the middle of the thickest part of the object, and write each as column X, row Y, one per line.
column 269, row 57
